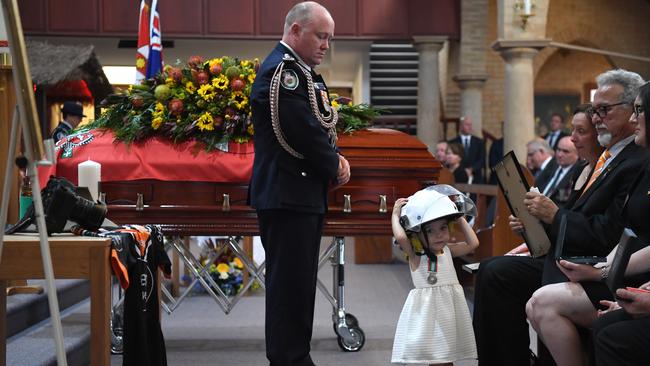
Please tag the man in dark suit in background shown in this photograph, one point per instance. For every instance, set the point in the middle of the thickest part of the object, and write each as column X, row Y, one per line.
column 474, row 149
column 559, row 187
column 539, row 159
column 296, row 163
column 594, row 224
column 556, row 133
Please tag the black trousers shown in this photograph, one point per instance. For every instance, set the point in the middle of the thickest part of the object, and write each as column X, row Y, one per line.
column 502, row 289
column 620, row 340
column 291, row 241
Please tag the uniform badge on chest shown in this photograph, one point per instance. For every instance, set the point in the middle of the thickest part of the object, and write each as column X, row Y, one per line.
column 289, row 79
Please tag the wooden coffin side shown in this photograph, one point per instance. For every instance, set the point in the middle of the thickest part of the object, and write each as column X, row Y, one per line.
column 385, row 165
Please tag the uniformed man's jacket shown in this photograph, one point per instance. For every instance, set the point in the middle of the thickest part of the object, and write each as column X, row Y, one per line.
column 61, row 131
column 280, row 180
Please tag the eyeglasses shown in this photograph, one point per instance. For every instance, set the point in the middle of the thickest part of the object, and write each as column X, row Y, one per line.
column 603, row 109
column 638, row 109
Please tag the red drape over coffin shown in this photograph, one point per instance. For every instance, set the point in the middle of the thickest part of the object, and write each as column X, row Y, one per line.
column 155, row 158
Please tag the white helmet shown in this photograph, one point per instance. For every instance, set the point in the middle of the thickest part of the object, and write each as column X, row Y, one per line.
column 427, row 205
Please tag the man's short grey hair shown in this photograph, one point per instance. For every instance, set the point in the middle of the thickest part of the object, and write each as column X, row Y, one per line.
column 540, row 144
column 300, row 14
column 630, row 81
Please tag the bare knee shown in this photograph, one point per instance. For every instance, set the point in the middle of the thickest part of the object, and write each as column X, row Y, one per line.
column 540, row 305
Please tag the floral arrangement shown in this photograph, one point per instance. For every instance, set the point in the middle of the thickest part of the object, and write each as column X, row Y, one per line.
column 207, row 101
column 223, row 266
column 354, row 117
column 226, row 271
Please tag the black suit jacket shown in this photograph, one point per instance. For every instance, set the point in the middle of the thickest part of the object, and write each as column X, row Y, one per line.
column 562, row 191
column 545, row 175
column 594, row 219
column 475, row 158
column 280, row 180
column 554, row 146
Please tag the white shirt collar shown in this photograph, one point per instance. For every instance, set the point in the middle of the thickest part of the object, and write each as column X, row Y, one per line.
column 545, row 163
column 296, row 55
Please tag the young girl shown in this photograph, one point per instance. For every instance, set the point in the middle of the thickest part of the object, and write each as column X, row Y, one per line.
column 435, row 326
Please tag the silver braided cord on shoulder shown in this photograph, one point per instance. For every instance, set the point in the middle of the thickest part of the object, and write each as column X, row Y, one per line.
column 328, row 121
column 274, row 94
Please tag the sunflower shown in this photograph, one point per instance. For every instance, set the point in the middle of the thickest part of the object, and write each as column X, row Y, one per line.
column 189, row 86
column 156, row 122
column 239, row 99
column 221, row 82
column 207, row 92
column 205, row 122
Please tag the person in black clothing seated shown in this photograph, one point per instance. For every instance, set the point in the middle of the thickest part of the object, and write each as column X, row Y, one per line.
column 473, row 148
column 454, row 158
column 504, row 284
column 72, row 116
column 555, row 310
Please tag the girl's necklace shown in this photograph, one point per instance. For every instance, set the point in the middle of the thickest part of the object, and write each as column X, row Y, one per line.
column 433, row 269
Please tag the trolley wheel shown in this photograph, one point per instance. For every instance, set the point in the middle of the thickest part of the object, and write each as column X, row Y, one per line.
column 353, row 344
column 350, row 320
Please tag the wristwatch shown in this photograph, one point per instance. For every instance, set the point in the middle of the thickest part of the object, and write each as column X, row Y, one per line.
column 604, row 272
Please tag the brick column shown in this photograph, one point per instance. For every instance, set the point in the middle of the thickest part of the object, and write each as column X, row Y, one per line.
column 471, row 99
column 428, row 105
column 472, row 72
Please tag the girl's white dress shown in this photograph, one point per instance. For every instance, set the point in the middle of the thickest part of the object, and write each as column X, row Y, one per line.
column 435, row 325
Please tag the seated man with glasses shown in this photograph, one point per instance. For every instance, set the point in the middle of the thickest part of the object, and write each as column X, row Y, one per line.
column 594, row 224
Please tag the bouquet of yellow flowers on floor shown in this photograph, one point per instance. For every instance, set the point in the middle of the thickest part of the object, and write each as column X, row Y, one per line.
column 203, row 100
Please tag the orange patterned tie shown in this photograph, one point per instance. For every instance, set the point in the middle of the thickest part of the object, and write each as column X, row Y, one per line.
column 599, row 168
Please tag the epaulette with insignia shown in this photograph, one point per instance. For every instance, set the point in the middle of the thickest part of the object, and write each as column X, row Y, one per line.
column 288, row 57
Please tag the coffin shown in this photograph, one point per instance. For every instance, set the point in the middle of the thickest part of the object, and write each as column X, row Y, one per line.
column 190, row 192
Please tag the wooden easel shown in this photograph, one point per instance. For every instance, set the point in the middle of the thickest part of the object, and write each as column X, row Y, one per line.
column 25, row 113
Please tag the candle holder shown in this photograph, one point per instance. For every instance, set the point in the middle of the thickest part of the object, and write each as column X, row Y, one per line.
column 139, row 204
column 525, row 9
column 347, row 205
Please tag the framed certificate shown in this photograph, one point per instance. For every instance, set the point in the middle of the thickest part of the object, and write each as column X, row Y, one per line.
column 514, row 186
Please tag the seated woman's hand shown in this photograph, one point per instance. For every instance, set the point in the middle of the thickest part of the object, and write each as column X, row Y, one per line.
column 578, row 272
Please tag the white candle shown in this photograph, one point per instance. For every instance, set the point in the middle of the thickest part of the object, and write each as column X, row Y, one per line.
column 90, row 174
column 528, row 5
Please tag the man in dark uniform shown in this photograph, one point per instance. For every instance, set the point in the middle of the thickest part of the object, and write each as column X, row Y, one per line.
column 296, row 163
column 72, row 115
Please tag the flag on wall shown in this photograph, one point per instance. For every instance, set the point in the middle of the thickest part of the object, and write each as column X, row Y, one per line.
column 143, row 43
column 154, row 64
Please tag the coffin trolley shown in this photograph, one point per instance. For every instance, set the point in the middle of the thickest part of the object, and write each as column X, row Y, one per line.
column 190, row 192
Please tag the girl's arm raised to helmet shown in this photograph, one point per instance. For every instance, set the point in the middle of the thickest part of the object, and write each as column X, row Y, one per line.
column 398, row 231
column 470, row 243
